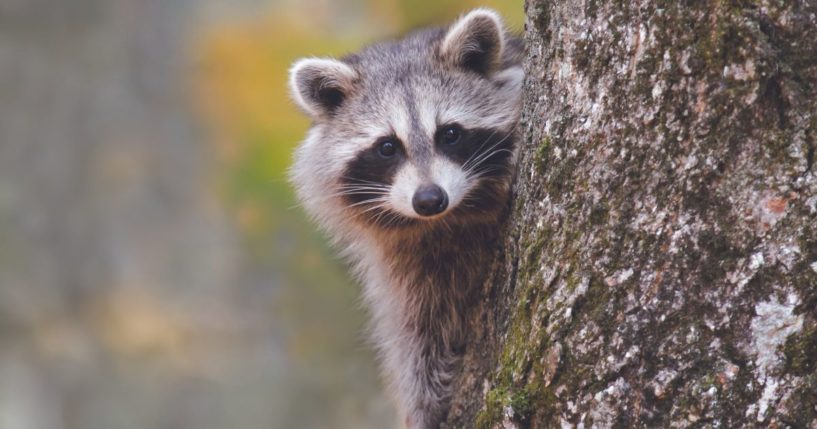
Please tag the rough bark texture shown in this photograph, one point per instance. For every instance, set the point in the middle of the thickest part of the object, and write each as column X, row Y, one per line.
column 660, row 262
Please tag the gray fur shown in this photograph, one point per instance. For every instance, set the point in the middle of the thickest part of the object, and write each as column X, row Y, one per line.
column 419, row 274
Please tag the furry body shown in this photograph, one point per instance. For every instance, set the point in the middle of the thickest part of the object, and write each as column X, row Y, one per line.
column 408, row 166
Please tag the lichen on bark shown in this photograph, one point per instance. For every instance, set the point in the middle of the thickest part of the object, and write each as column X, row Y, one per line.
column 660, row 261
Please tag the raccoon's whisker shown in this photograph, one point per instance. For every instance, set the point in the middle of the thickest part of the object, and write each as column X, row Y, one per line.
column 477, row 152
column 483, row 173
column 385, row 217
column 368, row 187
column 381, row 218
column 502, row 140
column 356, row 191
column 474, row 170
column 485, row 155
column 342, row 194
column 372, row 193
column 363, row 188
column 393, row 218
column 357, row 181
column 380, row 207
column 398, row 219
column 447, row 225
column 363, row 185
column 342, row 191
column 489, row 155
column 381, row 201
column 377, row 214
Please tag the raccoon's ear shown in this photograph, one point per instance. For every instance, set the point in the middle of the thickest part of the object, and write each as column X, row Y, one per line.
column 321, row 85
column 475, row 41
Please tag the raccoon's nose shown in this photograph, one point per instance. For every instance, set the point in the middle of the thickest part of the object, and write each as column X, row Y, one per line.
column 429, row 200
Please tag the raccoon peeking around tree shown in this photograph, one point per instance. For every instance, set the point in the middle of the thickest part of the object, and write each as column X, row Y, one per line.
column 408, row 167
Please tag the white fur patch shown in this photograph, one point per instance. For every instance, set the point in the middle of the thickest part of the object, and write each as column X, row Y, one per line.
column 449, row 176
column 446, row 174
column 400, row 121
column 470, row 117
column 428, row 116
column 406, row 182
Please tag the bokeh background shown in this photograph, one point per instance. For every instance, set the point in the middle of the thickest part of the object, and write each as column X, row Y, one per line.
column 155, row 270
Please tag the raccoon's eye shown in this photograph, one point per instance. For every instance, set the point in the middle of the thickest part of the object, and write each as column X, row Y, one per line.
column 450, row 134
column 387, row 148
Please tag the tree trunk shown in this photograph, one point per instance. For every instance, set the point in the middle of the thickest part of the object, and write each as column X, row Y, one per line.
column 659, row 267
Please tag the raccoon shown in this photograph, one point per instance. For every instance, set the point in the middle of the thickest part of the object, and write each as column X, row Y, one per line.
column 408, row 167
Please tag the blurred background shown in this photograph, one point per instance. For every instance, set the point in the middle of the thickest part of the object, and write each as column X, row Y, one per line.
column 155, row 271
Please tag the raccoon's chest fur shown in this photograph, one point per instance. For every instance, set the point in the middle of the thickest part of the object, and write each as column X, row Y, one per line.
column 439, row 272
column 419, row 289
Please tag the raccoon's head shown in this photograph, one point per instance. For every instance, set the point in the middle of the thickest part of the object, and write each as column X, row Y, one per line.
column 411, row 132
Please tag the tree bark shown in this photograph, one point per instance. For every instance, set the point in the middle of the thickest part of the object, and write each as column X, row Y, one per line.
column 659, row 266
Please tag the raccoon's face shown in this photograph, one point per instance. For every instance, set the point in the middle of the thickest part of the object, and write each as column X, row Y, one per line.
column 411, row 132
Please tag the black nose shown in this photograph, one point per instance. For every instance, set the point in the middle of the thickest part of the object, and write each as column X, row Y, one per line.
column 429, row 200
